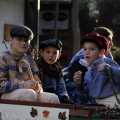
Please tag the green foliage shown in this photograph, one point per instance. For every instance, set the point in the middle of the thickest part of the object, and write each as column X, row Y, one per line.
column 116, row 54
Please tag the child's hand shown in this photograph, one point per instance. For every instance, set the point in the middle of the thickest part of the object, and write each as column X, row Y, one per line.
column 29, row 84
column 34, row 85
column 101, row 66
column 38, row 87
column 77, row 77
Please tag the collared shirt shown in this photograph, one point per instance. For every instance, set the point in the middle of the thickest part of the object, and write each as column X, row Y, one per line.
column 9, row 70
column 77, row 56
column 80, row 55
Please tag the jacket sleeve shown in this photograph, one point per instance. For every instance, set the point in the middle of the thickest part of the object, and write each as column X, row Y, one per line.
column 114, row 70
column 61, row 88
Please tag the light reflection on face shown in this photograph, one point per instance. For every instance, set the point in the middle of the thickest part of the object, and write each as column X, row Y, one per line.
column 110, row 41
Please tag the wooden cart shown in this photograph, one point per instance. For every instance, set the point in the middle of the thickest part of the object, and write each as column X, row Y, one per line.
column 24, row 110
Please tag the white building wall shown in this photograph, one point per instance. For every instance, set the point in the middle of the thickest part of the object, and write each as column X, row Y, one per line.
column 11, row 12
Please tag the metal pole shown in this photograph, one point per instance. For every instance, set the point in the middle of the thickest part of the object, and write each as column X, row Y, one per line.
column 56, row 18
column 38, row 21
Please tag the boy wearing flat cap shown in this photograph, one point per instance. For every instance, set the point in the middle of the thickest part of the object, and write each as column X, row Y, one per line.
column 19, row 73
column 51, row 72
column 100, row 68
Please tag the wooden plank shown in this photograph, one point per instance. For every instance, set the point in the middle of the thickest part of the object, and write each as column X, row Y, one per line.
column 31, row 112
column 82, row 113
column 36, row 103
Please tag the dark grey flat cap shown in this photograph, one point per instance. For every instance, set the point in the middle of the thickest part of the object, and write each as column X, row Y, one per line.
column 51, row 42
column 21, row 31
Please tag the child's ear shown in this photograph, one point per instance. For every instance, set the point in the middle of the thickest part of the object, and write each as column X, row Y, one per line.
column 10, row 39
column 102, row 52
column 41, row 51
column 59, row 55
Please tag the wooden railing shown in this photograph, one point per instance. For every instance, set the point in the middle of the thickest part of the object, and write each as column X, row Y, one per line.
column 81, row 112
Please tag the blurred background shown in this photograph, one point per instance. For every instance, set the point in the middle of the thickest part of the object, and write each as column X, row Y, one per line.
column 67, row 20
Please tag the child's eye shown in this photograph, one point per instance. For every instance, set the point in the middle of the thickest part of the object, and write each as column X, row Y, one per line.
column 47, row 51
column 92, row 49
column 19, row 38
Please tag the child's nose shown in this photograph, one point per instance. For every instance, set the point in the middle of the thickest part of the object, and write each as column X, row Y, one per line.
column 87, row 51
column 50, row 54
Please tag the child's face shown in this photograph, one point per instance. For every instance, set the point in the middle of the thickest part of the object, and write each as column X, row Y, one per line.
column 19, row 45
column 91, row 52
column 50, row 54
